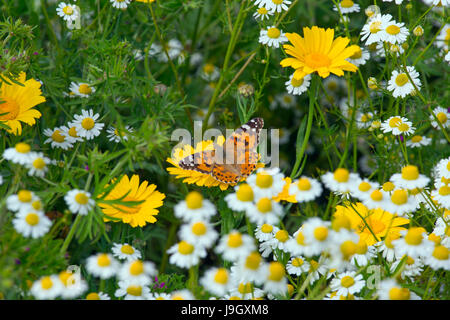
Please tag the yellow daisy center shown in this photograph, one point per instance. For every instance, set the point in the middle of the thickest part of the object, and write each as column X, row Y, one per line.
column 46, row 283
column 410, row 172
column 321, row 233
column 10, row 107
column 282, row 235
column 300, row 238
column 364, row 186
column 32, row 219
column 64, row 276
column 444, row 191
column 348, row 248
column 266, row 228
column 199, row 228
column 297, row 82
column 394, row 122
column 103, row 260
column 399, row 294
column 244, row 193
column 440, row 253
column 37, row 205
column 273, row 33
column 361, row 247
column 81, row 198
column 403, row 127
column 93, row 296
column 73, row 132
column 317, row 60
column 304, row 184
column 58, row 137
column 24, row 196
column 388, row 240
column 297, row 262
column 347, row 3
column 376, row 195
column 127, row 249
column 393, row 30
column 399, row 197
column 185, row 247
column 221, row 276
column 276, row 271
column 194, row 200
column 134, row 290
column 136, row 268
column 88, row 123
column 341, row 222
column 277, row 2
column 341, row 175
column 375, row 27
column 245, row 288
column 347, row 281
column 388, row 186
column 68, row 10
column 264, row 205
column 416, row 139
column 85, row 89
column 414, row 236
column 442, row 117
column 22, row 147
column 39, row 163
column 208, row 68
column 234, row 240
column 262, row 11
column 253, row 261
column 264, row 180
column 401, row 79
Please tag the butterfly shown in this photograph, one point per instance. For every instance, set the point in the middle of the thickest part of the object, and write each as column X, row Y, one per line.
column 232, row 161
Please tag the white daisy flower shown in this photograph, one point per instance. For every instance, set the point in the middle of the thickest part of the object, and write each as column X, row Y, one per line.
column 58, row 138
column 209, row 72
column 342, row 247
column 249, row 268
column 377, row 199
column 234, row 245
column 46, row 288
column 363, row 189
column 285, row 100
column 86, row 124
column 242, row 199
column 418, row 141
column 199, row 232
column 305, row 189
column 442, row 195
column 32, row 224
column 182, row 294
column 38, row 164
column 389, row 289
column 394, row 32
column 102, row 265
column 71, row 132
column 125, row 252
column 185, row 255
column 67, row 11
column 79, row 201
column 317, row 269
column 137, row 271
column 132, row 291
column 296, row 245
column 340, row 180
column 120, row 4
column 413, row 243
column 347, row 283
column 443, row 168
column 297, row 265
column 174, row 49
column 24, row 200
column 264, row 211
column 265, row 232
column 216, row 281
column 410, row 178
column 266, row 183
column 391, row 123
column 159, row 296
column 194, row 207
column 439, row 258
column 401, row 202
column 442, row 115
column 347, row 6
column 72, row 285
column 20, row 154
column 372, row 30
column 364, row 119
column 404, row 128
column 412, row 267
column 277, row 5
column 400, row 85
column 280, row 240
column 244, row 291
column 98, row 296
column 275, row 282
column 317, row 236
column 297, row 86
column 116, row 135
column 442, row 39
column 262, row 13
column 272, row 36
column 81, row 89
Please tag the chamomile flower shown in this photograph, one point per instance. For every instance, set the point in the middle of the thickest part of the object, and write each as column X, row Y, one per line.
column 317, row 236
column 305, row 189
column 286, row 100
column 234, row 245
column 364, row 119
column 20, row 154
column 317, row 269
column 199, row 232
column 216, row 281
column 97, row 296
column 272, row 36
column 194, row 207
column 277, row 5
column 87, row 125
column 363, row 188
column 265, row 232
column 72, row 285
column 79, row 201
column 418, row 141
column 120, row 4
column 443, row 118
column 249, row 268
column 443, row 168
column 244, row 291
column 389, row 289
column 182, row 294
column 22, row 201
column 298, row 86
column 46, row 288
column 275, row 282
column 400, row 85
column 266, row 183
column 280, row 240
column 442, row 195
column 341, row 248
column 364, row 254
column 410, row 178
column 394, row 32
column 391, row 123
column 58, row 138
column 264, row 211
column 262, row 13
column 70, row 132
column 137, row 271
column 439, row 258
column 67, row 11
column 347, row 6
column 340, row 180
column 125, row 252
column 404, row 128
column 297, row 265
column 401, row 202
column 242, row 199
column 38, row 164
column 132, row 291
column 116, row 135
column 296, row 245
column 347, row 283
column 412, row 267
column 372, row 30
column 386, row 247
column 102, row 265
column 378, row 198
column 413, row 243
column 443, row 37
column 185, row 254
column 32, row 224
column 209, row 72
column 159, row 296
column 81, row 89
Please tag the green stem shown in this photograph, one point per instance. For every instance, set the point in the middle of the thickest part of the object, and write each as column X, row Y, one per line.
column 70, row 234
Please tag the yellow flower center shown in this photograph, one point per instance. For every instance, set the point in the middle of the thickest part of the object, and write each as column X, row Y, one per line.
column 137, row 268
column 208, row 68
column 357, row 54
column 244, row 193
column 253, row 261
column 264, row 180
column 442, row 117
column 127, row 249
column 388, row 186
column 416, row 139
column 22, row 147
column 300, row 238
column 304, row 184
column 199, row 228
column 103, row 260
column 414, row 236
column 194, row 200
column 68, row 10
column 276, row 271
column 361, row 247
column 81, row 198
column 297, row 262
column 262, row 11
column 221, row 276
column 435, row 238
column 440, row 253
column 264, row 205
column 282, row 235
column 32, row 219
column 134, row 290
column 321, row 233
column 364, row 186
column 24, row 196
column 73, row 132
column 266, row 228
column 235, row 240
column 375, row 27
column 401, row 79
column 399, row 197
column 88, row 123
column 348, row 248
column 277, row 2
column 347, row 281
column 273, row 33
column 394, row 122
column 347, row 3
column 399, row 294
column 58, row 137
column 444, row 191
column 37, row 205
column 64, row 276
column 317, row 60
column 185, row 248
column 403, row 127
column 341, row 175
column 297, row 82
column 85, row 89
column 245, row 288
column 410, row 172
column 393, row 30
column 46, row 283
column 39, row 163
column 313, row 265
column 93, row 296
column 10, row 108
column 376, row 195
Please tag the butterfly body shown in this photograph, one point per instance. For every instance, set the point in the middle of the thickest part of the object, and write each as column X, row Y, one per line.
column 234, row 160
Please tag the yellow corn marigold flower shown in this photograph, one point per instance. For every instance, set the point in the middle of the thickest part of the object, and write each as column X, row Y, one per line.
column 17, row 102
column 135, row 213
column 319, row 52
column 376, row 222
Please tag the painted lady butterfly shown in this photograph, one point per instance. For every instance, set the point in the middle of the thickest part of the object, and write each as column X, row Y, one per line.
column 234, row 160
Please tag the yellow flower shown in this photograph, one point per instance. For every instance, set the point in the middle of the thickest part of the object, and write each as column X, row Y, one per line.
column 195, row 177
column 17, row 102
column 284, row 194
column 129, row 190
column 318, row 52
column 376, row 222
